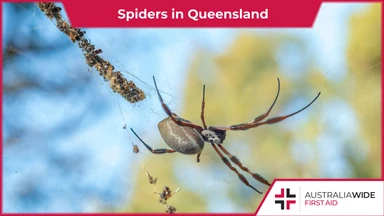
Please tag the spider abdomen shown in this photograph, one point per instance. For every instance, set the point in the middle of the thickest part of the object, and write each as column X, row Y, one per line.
column 183, row 139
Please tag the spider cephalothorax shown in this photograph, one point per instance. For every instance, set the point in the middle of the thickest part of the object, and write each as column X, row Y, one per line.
column 187, row 138
column 214, row 136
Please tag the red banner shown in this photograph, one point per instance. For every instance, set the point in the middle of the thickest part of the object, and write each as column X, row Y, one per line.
column 197, row 13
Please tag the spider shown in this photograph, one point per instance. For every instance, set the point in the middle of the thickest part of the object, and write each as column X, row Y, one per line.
column 188, row 138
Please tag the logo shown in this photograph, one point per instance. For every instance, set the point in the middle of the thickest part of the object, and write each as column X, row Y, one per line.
column 285, row 198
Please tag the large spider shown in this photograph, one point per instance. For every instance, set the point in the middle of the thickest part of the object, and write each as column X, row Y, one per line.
column 187, row 138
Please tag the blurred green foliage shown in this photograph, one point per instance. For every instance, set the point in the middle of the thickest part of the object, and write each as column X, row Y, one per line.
column 241, row 84
column 364, row 66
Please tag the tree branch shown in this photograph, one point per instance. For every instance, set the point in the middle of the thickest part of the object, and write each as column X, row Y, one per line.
column 117, row 82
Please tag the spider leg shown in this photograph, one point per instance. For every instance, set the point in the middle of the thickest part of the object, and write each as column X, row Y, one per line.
column 263, row 116
column 198, row 157
column 226, row 161
column 154, row 151
column 274, row 120
column 202, row 109
column 172, row 115
column 236, row 161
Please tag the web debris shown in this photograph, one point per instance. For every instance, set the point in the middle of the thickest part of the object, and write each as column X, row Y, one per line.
column 165, row 194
